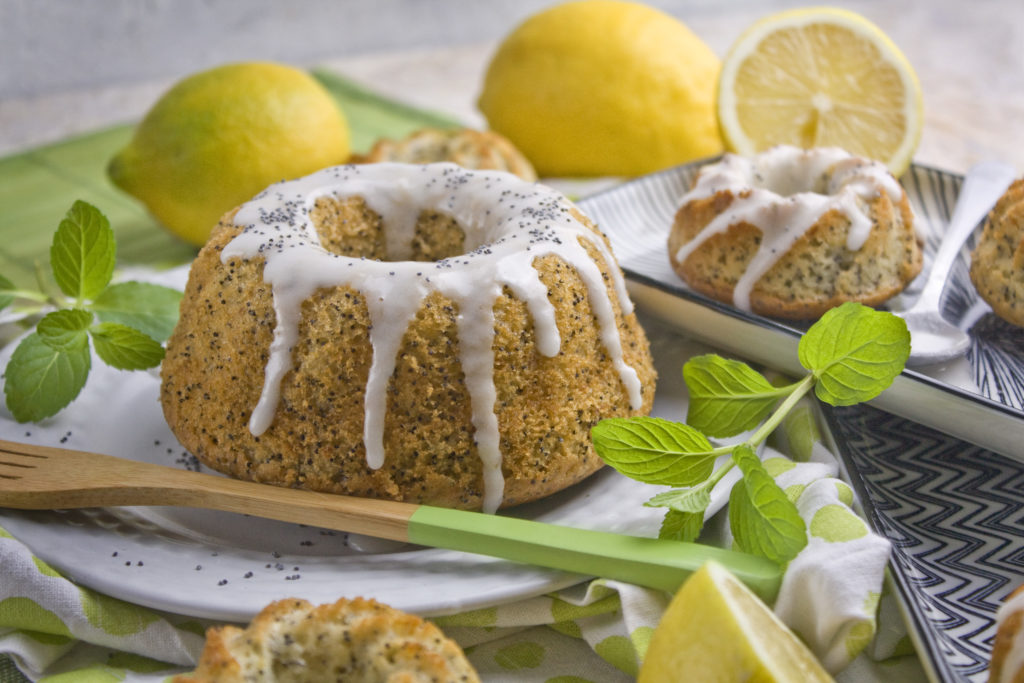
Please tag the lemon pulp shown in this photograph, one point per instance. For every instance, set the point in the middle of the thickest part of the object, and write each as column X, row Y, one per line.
column 820, row 77
column 716, row 630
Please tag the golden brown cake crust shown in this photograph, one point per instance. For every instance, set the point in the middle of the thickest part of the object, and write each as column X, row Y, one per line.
column 213, row 376
column 467, row 147
column 997, row 263
column 1008, row 631
column 818, row 272
column 358, row 640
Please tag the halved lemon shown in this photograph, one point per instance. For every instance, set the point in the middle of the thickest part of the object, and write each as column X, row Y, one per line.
column 716, row 629
column 820, row 77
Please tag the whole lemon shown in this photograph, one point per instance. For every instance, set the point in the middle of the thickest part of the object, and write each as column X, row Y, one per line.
column 220, row 136
column 603, row 87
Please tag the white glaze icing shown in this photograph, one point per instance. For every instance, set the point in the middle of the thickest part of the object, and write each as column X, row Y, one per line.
column 785, row 191
column 507, row 223
column 1014, row 660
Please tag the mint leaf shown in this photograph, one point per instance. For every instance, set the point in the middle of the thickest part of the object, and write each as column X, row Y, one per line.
column 855, row 352
column 763, row 520
column 151, row 309
column 125, row 348
column 40, row 380
column 6, row 299
column 681, row 526
column 83, row 252
column 726, row 396
column 654, row 451
column 695, row 499
column 65, row 329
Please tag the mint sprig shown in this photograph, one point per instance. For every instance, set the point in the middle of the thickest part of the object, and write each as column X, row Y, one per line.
column 852, row 354
column 125, row 322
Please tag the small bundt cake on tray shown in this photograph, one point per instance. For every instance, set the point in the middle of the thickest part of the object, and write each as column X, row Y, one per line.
column 997, row 262
column 413, row 332
column 470, row 148
column 792, row 233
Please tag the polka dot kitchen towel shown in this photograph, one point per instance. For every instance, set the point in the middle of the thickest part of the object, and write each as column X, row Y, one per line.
column 56, row 631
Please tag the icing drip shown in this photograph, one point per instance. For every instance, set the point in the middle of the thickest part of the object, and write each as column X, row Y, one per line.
column 507, row 223
column 785, row 190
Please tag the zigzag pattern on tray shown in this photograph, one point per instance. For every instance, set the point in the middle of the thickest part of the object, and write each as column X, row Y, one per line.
column 997, row 356
column 955, row 516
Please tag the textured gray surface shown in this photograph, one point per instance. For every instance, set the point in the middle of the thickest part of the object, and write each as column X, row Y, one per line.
column 75, row 66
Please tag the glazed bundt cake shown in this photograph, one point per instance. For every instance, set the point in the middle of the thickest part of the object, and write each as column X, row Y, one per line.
column 997, row 262
column 357, row 641
column 792, row 233
column 470, row 148
column 418, row 333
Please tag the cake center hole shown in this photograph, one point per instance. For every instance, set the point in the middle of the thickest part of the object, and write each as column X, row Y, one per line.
column 790, row 179
column 350, row 228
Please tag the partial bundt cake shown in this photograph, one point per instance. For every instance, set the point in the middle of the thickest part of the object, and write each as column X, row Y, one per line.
column 357, row 641
column 792, row 233
column 997, row 262
column 418, row 333
column 1007, row 665
column 470, row 148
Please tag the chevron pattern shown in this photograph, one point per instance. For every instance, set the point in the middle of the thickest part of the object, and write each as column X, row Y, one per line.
column 955, row 516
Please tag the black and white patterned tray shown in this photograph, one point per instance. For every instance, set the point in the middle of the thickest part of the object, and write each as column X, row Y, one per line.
column 954, row 515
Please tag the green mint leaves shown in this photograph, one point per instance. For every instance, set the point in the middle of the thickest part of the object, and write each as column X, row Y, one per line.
column 125, row 322
column 852, row 354
column 83, row 252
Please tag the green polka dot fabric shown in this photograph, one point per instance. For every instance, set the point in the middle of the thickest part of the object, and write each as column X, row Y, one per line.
column 832, row 596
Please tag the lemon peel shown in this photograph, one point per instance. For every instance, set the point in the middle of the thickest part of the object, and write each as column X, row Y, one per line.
column 220, row 136
column 603, row 87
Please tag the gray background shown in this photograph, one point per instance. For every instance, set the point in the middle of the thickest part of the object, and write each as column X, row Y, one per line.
column 69, row 66
column 52, row 45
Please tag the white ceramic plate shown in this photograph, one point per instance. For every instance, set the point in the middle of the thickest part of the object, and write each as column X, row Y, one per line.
column 228, row 566
column 964, row 398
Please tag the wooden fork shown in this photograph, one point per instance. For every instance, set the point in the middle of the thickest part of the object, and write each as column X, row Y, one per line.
column 42, row 478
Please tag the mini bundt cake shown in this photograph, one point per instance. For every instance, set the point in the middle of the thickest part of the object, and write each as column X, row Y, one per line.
column 470, row 148
column 358, row 641
column 792, row 233
column 997, row 262
column 418, row 333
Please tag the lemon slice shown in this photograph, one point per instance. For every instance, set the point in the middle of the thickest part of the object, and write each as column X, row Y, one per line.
column 716, row 629
column 820, row 77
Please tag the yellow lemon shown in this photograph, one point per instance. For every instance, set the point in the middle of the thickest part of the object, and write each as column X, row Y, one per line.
column 820, row 77
column 602, row 87
column 716, row 630
column 218, row 137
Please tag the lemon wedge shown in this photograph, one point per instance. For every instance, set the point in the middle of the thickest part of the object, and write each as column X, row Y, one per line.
column 820, row 77
column 715, row 629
